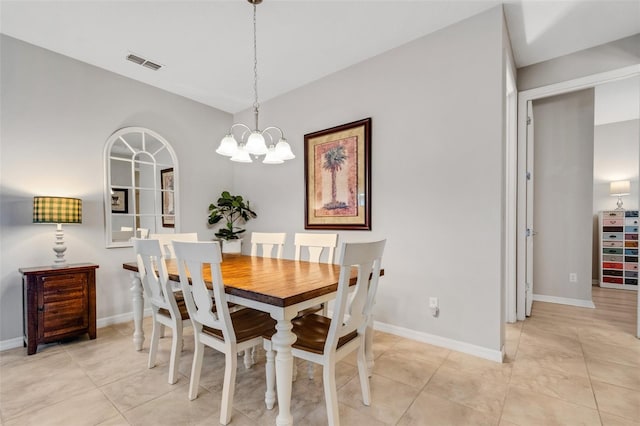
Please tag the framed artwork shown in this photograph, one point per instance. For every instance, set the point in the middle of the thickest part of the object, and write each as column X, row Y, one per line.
column 119, row 200
column 337, row 175
column 168, row 201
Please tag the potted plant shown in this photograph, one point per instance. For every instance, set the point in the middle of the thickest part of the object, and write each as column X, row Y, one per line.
column 231, row 208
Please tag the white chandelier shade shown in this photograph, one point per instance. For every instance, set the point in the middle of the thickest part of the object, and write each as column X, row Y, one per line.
column 254, row 142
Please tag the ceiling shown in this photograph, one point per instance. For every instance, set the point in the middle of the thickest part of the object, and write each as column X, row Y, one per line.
column 205, row 46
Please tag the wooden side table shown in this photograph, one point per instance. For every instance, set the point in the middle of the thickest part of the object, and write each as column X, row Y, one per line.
column 58, row 303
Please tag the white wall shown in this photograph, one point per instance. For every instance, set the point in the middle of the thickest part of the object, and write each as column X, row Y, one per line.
column 438, row 102
column 437, row 174
column 57, row 114
column 610, row 56
column 616, row 151
column 563, row 194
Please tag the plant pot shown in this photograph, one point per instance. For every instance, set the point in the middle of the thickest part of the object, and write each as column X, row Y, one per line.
column 232, row 246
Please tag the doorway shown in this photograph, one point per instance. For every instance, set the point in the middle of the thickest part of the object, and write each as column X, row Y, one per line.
column 526, row 97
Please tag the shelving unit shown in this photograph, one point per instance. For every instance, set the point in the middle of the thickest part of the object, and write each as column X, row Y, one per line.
column 619, row 249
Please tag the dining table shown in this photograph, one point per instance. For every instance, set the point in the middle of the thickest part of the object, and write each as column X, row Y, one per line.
column 280, row 287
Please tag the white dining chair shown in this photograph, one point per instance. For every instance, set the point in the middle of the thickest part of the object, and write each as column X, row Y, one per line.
column 141, row 232
column 166, row 239
column 315, row 245
column 267, row 242
column 167, row 306
column 218, row 328
column 326, row 341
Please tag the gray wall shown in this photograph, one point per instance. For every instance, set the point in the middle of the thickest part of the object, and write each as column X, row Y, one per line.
column 563, row 194
column 437, row 174
column 607, row 57
column 617, row 145
column 57, row 114
column 437, row 106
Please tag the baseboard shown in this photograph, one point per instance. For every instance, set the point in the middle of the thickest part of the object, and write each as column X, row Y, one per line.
column 444, row 342
column 595, row 282
column 456, row 345
column 118, row 319
column 564, row 301
column 102, row 322
column 11, row 343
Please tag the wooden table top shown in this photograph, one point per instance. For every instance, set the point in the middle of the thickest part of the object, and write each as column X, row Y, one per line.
column 277, row 282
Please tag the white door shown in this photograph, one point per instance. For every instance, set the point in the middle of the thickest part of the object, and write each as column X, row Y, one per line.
column 529, row 221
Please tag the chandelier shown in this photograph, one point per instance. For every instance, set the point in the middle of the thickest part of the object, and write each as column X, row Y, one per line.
column 254, row 142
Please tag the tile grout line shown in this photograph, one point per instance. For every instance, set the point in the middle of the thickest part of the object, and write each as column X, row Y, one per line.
column 515, row 355
column 423, row 388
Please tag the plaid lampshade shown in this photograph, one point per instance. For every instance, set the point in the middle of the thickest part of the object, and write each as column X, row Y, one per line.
column 57, row 210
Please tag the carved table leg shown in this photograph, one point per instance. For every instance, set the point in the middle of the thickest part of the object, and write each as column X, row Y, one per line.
column 138, row 311
column 282, row 341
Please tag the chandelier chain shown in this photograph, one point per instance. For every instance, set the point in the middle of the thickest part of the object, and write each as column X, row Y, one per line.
column 256, row 105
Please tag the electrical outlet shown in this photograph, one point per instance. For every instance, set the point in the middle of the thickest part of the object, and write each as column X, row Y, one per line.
column 573, row 277
column 433, row 306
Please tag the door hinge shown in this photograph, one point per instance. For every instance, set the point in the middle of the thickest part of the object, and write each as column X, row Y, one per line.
column 528, row 120
column 528, row 175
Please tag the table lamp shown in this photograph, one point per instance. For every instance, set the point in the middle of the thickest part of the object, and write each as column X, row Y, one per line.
column 57, row 210
column 618, row 189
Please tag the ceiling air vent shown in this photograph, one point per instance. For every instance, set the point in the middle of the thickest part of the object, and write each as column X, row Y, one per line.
column 144, row 62
column 152, row 65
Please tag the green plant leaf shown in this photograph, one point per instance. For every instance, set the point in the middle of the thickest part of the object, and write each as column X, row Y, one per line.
column 233, row 209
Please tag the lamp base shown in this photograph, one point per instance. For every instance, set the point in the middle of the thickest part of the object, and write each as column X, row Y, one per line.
column 59, row 248
column 619, row 204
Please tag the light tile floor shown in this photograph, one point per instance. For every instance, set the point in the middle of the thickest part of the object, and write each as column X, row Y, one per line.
column 564, row 366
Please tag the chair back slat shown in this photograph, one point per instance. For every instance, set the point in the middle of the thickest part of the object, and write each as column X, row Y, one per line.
column 267, row 241
column 315, row 244
column 352, row 311
column 166, row 239
column 155, row 285
column 314, row 254
column 196, row 257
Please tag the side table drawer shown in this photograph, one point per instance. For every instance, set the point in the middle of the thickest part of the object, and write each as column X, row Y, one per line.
column 64, row 287
column 613, row 214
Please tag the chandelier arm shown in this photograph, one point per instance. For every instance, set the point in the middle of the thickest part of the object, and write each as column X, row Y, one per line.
column 274, row 127
column 247, row 129
column 270, row 138
column 240, row 125
column 242, row 138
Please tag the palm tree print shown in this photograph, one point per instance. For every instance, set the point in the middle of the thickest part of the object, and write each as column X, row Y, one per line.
column 334, row 159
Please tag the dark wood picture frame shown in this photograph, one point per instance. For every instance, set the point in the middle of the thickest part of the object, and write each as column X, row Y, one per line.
column 120, row 200
column 337, row 176
column 168, row 200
